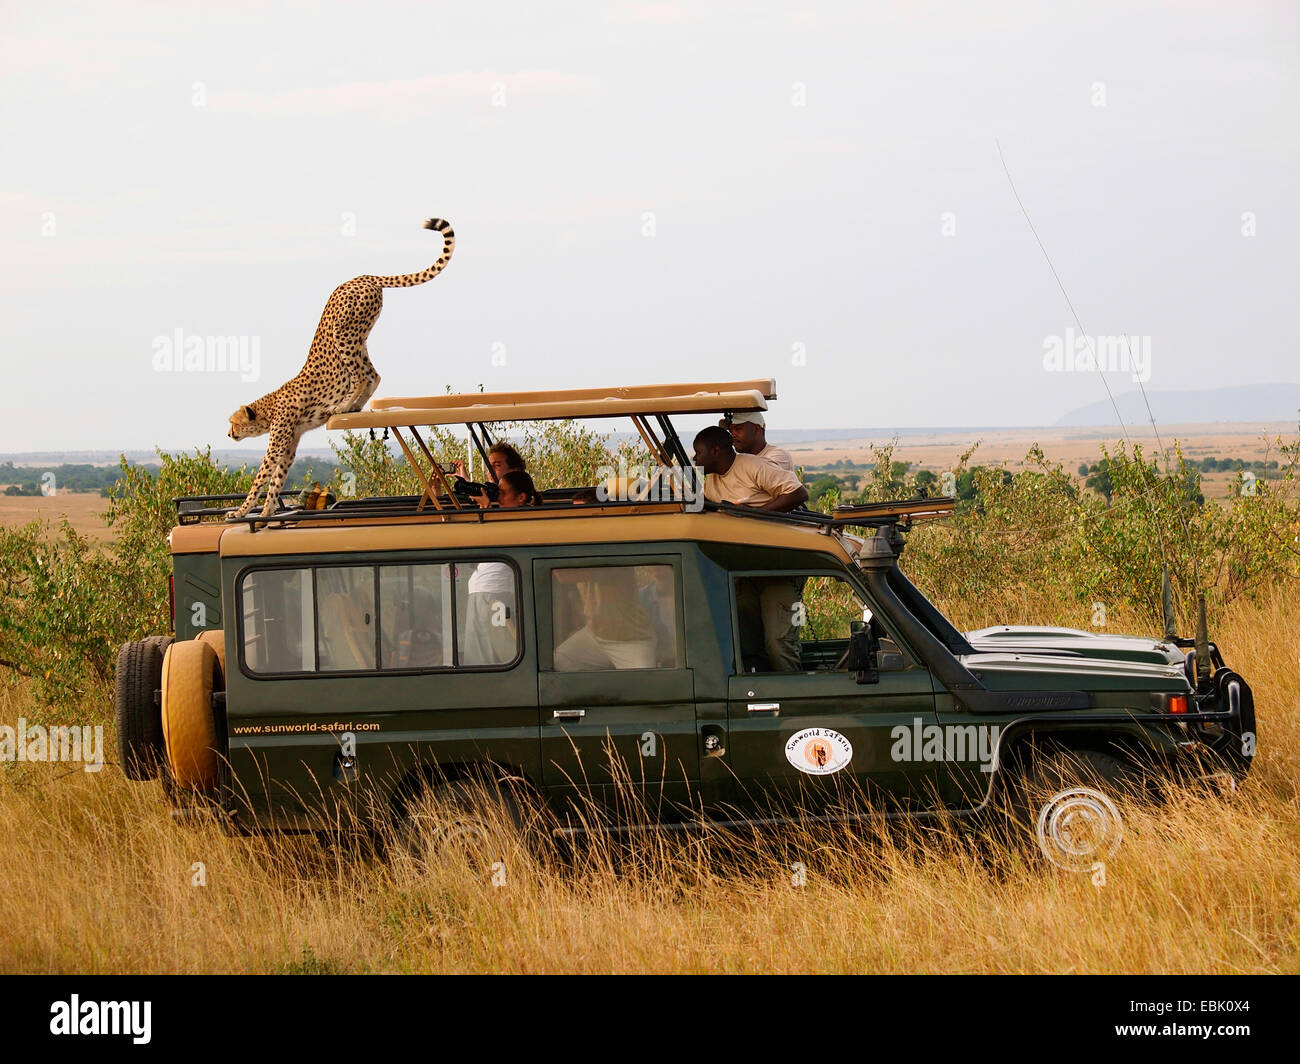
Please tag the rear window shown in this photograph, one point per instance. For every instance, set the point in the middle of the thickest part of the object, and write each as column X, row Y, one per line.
column 378, row 618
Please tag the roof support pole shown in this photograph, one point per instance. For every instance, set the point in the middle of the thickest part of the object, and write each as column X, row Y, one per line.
column 428, row 488
column 657, row 451
column 438, row 474
column 674, row 442
column 675, row 445
column 481, row 445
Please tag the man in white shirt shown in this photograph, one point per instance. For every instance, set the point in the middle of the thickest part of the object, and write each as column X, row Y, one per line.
column 749, row 436
column 766, row 602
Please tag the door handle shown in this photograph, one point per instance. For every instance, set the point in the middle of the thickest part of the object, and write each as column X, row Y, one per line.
column 765, row 707
column 569, row 714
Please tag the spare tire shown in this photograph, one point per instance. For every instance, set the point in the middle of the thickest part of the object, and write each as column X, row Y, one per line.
column 138, row 677
column 216, row 639
column 190, row 674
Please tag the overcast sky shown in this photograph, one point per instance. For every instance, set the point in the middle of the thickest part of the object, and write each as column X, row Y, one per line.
column 643, row 192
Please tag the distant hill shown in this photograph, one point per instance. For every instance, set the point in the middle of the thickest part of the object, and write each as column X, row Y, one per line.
column 878, row 433
column 1242, row 402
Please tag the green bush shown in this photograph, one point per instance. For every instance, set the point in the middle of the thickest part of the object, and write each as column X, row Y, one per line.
column 558, row 454
column 1035, row 536
column 67, row 602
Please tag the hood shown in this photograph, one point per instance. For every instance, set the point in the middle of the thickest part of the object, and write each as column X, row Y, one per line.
column 1011, row 654
column 1072, row 642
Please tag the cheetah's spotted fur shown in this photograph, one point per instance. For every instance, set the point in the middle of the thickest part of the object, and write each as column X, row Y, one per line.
column 337, row 378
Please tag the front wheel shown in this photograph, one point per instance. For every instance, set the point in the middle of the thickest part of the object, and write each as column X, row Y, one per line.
column 1068, row 800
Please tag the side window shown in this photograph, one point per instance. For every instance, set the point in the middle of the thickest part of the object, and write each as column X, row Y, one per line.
column 795, row 622
column 368, row 618
column 279, row 629
column 829, row 605
column 347, row 623
column 415, row 616
column 615, row 617
column 488, row 615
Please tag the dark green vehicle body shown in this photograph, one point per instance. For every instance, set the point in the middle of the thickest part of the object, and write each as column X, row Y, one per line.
column 697, row 733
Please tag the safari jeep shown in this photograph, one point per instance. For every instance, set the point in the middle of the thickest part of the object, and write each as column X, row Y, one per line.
column 329, row 665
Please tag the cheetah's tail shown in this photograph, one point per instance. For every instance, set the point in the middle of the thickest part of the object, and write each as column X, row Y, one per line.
column 406, row 280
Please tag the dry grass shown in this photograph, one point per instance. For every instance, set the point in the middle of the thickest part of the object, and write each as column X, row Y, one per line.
column 83, row 510
column 98, row 878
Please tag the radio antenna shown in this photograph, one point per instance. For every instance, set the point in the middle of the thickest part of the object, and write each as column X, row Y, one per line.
column 1166, row 592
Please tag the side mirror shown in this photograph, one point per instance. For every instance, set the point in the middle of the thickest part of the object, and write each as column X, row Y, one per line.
column 864, row 644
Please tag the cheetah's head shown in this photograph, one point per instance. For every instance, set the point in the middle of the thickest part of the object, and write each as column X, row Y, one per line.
column 244, row 423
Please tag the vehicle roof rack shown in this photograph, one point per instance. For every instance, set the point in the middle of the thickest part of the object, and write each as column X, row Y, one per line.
column 383, row 508
column 894, row 512
column 766, row 387
column 641, row 403
column 647, row 406
column 637, row 402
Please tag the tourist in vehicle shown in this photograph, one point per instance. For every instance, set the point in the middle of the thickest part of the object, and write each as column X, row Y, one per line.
column 491, row 616
column 515, row 488
column 502, row 458
column 744, row 479
column 618, row 632
column 491, row 620
column 749, row 436
column 766, row 604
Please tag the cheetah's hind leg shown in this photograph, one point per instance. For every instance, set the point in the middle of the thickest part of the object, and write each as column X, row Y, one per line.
column 362, row 375
column 368, row 385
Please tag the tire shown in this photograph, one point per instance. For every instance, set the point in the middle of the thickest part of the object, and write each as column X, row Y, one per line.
column 479, row 820
column 216, row 639
column 1069, row 801
column 137, row 678
column 1236, row 743
column 189, row 676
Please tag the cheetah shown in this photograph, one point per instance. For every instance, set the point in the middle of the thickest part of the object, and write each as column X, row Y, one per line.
column 336, row 379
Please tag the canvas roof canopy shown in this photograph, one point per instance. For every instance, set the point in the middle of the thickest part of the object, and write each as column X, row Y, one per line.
column 639, row 401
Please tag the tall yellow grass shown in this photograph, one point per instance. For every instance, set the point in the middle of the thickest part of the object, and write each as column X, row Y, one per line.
column 96, row 877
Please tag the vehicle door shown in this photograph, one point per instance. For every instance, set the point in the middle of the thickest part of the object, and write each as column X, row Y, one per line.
column 800, row 725
column 617, row 700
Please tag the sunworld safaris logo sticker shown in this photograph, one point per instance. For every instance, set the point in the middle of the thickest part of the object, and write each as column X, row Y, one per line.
column 818, row 751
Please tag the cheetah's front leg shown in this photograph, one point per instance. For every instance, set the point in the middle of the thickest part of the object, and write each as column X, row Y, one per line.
column 284, row 443
column 280, row 452
column 262, row 471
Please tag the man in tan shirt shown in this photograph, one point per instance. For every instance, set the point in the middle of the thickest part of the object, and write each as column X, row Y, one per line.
column 749, row 435
column 766, row 603
column 744, row 479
